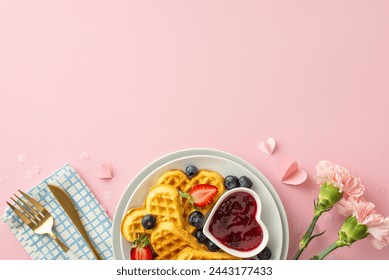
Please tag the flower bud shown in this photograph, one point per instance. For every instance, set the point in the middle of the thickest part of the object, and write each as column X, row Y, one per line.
column 351, row 231
column 328, row 197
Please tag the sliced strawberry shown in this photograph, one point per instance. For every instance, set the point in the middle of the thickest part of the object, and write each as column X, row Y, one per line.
column 144, row 253
column 141, row 249
column 203, row 194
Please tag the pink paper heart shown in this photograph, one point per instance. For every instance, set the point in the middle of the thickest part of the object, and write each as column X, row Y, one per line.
column 267, row 146
column 290, row 173
column 106, row 171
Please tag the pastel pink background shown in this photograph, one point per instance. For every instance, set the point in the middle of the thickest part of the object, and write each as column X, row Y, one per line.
column 129, row 81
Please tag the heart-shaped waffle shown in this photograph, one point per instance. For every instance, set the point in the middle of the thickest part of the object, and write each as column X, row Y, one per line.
column 191, row 254
column 175, row 178
column 179, row 180
column 131, row 226
column 168, row 240
column 163, row 201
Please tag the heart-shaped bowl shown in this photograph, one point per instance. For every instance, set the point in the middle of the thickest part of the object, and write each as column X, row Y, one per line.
column 222, row 202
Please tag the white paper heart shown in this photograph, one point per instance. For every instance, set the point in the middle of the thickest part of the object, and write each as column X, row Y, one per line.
column 106, row 171
column 290, row 173
column 267, row 146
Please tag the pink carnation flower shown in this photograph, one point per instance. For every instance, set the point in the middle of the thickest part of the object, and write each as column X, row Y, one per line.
column 338, row 176
column 379, row 244
column 378, row 226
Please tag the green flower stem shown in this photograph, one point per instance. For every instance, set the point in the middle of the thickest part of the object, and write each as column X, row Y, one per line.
column 350, row 232
column 307, row 238
column 327, row 250
column 329, row 195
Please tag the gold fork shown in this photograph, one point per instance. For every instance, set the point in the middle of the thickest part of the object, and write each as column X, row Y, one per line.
column 37, row 218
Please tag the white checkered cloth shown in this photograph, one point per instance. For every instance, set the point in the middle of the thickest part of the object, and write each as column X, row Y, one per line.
column 95, row 220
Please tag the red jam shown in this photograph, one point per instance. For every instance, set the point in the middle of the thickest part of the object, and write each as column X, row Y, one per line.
column 234, row 224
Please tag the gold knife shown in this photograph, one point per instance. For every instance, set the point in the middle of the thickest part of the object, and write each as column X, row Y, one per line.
column 67, row 204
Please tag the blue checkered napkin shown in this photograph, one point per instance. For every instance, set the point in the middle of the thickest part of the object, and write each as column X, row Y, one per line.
column 95, row 220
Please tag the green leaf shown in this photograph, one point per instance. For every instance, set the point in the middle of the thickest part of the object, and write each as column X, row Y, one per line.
column 141, row 241
column 187, row 196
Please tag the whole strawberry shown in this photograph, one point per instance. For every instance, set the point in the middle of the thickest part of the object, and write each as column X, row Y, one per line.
column 141, row 249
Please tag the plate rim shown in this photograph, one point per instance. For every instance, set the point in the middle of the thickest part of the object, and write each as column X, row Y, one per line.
column 144, row 172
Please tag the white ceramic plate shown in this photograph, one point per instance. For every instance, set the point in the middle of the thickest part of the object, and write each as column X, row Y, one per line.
column 273, row 214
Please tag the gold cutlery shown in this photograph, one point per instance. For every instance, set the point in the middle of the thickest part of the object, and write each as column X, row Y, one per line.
column 32, row 213
column 67, row 204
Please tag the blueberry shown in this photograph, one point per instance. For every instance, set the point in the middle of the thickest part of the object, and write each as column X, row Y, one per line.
column 200, row 236
column 231, row 182
column 148, row 221
column 212, row 246
column 265, row 254
column 196, row 219
column 191, row 171
column 245, row 182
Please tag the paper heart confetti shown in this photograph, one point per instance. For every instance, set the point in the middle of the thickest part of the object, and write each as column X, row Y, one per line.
column 36, row 169
column 290, row 173
column 106, row 171
column 267, row 146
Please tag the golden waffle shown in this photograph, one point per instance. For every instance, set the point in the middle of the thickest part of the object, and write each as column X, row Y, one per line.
column 210, row 178
column 178, row 179
column 191, row 254
column 175, row 178
column 167, row 240
column 131, row 226
column 161, row 202
column 164, row 201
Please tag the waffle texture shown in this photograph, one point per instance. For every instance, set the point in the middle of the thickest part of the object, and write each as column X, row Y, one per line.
column 175, row 178
column 191, row 254
column 161, row 202
column 179, row 180
column 168, row 240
